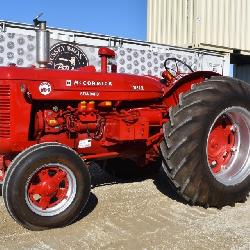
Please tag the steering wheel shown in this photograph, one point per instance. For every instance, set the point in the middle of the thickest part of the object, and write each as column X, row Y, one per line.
column 175, row 72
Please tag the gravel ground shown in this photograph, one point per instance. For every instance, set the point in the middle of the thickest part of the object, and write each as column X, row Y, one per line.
column 136, row 215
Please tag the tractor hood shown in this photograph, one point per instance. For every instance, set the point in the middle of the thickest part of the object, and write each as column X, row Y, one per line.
column 83, row 84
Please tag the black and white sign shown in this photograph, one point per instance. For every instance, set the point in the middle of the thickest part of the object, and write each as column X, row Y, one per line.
column 67, row 56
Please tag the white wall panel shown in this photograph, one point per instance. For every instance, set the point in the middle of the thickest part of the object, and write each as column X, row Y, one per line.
column 17, row 45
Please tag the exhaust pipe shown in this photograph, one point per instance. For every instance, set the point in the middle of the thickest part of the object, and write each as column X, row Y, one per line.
column 42, row 43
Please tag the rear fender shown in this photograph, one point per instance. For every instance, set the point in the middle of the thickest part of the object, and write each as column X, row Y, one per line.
column 171, row 97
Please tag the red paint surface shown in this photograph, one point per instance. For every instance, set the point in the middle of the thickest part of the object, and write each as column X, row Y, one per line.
column 121, row 114
column 221, row 141
column 48, row 187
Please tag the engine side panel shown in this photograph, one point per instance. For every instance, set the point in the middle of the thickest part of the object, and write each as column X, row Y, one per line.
column 48, row 84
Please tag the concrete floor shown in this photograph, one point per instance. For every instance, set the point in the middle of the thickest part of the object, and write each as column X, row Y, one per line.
column 136, row 215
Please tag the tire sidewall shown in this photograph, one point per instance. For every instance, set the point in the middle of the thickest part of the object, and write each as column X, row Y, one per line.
column 15, row 183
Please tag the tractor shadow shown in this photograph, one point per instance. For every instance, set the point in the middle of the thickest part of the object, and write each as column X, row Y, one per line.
column 165, row 187
column 99, row 177
column 89, row 207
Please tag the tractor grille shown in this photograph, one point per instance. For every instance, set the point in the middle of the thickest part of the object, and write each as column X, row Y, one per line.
column 4, row 110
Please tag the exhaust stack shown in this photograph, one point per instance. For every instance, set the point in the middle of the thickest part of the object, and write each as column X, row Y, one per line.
column 42, row 42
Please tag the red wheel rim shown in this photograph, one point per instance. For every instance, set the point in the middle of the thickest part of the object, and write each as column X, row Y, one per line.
column 228, row 146
column 50, row 189
column 221, row 144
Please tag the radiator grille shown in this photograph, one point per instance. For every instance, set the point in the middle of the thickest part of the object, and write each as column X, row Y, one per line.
column 4, row 110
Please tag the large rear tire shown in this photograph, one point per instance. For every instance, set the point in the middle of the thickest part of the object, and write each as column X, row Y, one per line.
column 46, row 186
column 206, row 146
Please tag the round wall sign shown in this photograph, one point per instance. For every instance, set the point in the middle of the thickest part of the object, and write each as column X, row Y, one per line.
column 67, row 56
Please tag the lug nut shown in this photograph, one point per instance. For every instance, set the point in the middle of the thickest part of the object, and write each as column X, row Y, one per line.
column 223, row 167
column 233, row 149
column 233, row 128
column 214, row 163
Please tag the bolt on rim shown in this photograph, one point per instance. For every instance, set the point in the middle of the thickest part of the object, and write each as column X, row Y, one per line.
column 50, row 189
column 228, row 146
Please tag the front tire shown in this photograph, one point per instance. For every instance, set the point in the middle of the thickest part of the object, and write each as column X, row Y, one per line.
column 46, row 186
column 206, row 146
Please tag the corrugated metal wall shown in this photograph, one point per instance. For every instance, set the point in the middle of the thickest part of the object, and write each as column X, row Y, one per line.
column 169, row 22
column 215, row 24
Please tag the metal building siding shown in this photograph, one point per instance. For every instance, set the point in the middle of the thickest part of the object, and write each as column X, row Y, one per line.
column 168, row 21
column 215, row 24
column 223, row 23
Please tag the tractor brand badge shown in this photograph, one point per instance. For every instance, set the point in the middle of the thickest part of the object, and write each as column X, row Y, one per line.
column 67, row 56
column 87, row 83
column 45, row 88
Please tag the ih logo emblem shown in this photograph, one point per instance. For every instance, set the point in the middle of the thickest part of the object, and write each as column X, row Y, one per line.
column 68, row 83
column 67, row 56
column 45, row 88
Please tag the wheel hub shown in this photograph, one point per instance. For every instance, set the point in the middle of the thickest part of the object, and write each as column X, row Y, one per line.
column 221, row 144
column 50, row 189
column 228, row 146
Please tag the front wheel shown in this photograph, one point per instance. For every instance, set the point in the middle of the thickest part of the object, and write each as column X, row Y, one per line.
column 206, row 146
column 46, row 186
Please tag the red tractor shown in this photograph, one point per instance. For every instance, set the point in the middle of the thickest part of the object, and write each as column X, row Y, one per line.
column 53, row 122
